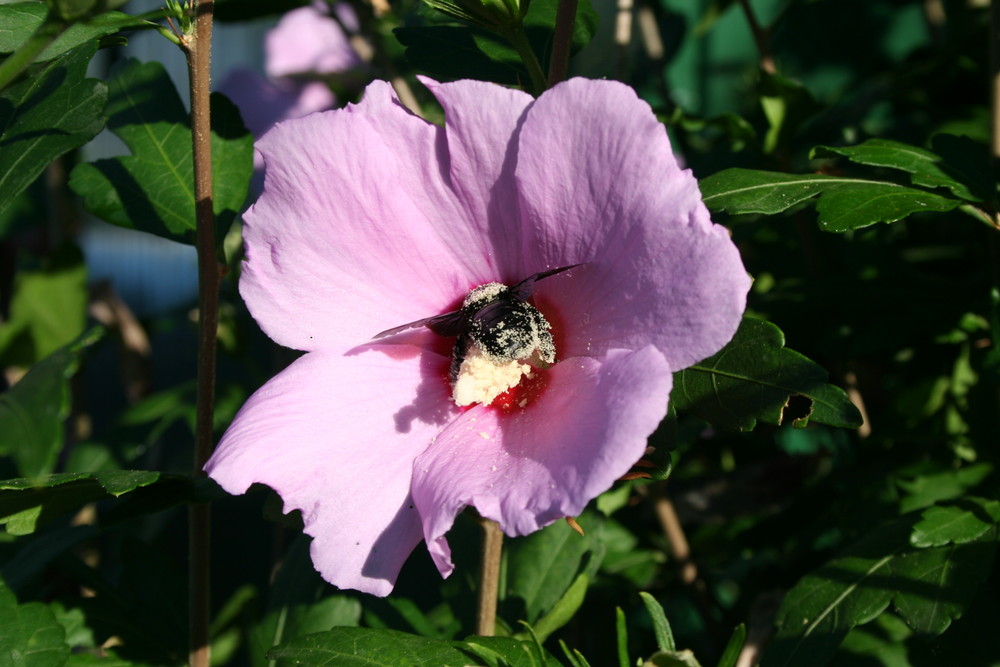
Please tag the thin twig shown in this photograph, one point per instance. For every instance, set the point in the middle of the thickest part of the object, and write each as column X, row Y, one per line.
column 562, row 41
column 761, row 38
column 623, row 35
column 198, row 49
column 681, row 552
column 489, row 578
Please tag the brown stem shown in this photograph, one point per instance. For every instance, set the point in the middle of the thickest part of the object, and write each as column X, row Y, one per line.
column 623, row 34
column 995, row 81
column 198, row 48
column 489, row 578
column 681, row 551
column 760, row 37
column 562, row 41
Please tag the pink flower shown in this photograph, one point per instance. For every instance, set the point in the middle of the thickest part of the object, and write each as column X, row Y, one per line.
column 263, row 102
column 372, row 218
column 309, row 40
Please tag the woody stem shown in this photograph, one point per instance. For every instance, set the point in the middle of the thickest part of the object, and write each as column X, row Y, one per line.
column 489, row 578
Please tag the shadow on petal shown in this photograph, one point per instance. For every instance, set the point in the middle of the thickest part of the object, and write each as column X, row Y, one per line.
column 394, row 544
column 432, row 403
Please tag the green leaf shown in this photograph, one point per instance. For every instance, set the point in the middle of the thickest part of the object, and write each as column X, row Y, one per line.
column 20, row 20
column 752, row 378
column 542, row 566
column 734, row 647
column 564, row 609
column 293, row 609
column 929, row 488
column 661, row 626
column 683, row 658
column 451, row 50
column 30, row 633
column 962, row 522
column 787, row 104
column 934, row 586
column 51, row 112
column 48, row 309
column 506, row 652
column 27, row 505
column 32, row 411
column 926, row 168
column 930, row 587
column 843, row 203
column 359, row 647
column 621, row 637
column 153, row 188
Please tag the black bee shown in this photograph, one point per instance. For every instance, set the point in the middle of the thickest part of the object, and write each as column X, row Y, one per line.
column 498, row 320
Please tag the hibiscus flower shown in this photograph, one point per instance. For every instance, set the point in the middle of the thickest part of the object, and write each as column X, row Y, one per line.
column 372, row 218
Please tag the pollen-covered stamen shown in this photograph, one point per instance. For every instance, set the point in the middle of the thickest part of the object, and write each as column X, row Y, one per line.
column 480, row 379
column 505, row 340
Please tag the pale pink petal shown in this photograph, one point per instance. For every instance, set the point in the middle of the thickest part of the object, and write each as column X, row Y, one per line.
column 354, row 233
column 263, row 103
column 600, row 185
column 308, row 41
column 481, row 122
column 336, row 437
column 528, row 468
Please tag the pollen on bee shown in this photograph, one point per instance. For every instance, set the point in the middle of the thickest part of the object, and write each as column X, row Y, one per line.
column 480, row 379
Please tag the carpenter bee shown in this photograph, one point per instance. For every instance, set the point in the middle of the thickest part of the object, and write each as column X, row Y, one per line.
column 496, row 319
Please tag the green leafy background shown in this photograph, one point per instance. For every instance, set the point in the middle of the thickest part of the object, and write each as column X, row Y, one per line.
column 823, row 490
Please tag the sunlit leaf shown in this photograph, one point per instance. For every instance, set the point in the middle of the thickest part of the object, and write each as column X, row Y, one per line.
column 48, row 309
column 842, row 203
column 32, row 411
column 19, row 20
column 542, row 566
column 506, row 652
column 661, row 626
column 962, row 522
column 153, row 189
column 358, row 647
column 27, row 505
column 30, row 633
column 734, row 647
column 51, row 112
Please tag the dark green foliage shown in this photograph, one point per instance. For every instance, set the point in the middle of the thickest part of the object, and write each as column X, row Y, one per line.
column 450, row 50
column 52, row 112
column 752, row 379
column 776, row 519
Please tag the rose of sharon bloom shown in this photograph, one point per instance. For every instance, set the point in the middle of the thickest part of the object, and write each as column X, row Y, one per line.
column 264, row 102
column 309, row 40
column 372, row 218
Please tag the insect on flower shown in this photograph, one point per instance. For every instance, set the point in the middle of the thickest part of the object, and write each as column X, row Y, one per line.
column 500, row 337
column 371, row 213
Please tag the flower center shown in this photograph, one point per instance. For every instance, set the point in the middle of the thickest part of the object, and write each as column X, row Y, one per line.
column 504, row 340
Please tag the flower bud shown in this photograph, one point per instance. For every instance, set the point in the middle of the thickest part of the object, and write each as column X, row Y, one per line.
column 500, row 16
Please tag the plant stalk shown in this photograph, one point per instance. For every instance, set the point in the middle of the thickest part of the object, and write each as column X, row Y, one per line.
column 761, row 38
column 489, row 578
column 562, row 41
column 198, row 49
column 519, row 40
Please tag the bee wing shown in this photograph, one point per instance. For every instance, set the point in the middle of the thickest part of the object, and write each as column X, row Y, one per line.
column 523, row 289
column 490, row 315
column 447, row 324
